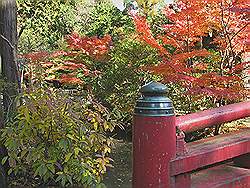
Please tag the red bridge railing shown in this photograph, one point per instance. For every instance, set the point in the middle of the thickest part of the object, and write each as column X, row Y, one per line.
column 208, row 118
column 162, row 158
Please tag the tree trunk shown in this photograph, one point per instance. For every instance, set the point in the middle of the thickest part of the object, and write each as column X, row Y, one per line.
column 8, row 44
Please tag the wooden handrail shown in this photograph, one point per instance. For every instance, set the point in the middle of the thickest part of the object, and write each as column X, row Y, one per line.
column 161, row 158
column 216, row 116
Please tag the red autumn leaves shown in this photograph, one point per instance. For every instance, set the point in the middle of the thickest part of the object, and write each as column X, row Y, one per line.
column 213, row 68
column 65, row 66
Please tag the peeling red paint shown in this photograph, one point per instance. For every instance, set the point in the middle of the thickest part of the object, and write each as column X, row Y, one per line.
column 154, row 144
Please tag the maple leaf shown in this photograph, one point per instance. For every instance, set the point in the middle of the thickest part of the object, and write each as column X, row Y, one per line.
column 145, row 34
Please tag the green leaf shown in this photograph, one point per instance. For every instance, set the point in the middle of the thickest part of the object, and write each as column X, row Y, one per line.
column 64, row 179
column 59, row 178
column 44, row 170
column 4, row 160
column 37, row 172
column 10, row 171
column 23, row 153
column 77, row 150
column 51, row 168
column 63, row 144
column 46, row 177
column 70, row 179
column 70, row 136
column 67, row 157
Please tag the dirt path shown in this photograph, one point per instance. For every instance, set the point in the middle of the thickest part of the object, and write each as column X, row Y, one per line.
column 121, row 175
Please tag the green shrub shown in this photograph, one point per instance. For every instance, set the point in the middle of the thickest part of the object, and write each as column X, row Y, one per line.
column 43, row 23
column 58, row 138
column 122, row 76
column 105, row 18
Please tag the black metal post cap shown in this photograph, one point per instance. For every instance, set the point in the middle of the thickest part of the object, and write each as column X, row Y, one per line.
column 154, row 88
column 153, row 101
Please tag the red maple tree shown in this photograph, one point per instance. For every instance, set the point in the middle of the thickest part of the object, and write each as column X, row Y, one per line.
column 202, row 47
column 72, row 65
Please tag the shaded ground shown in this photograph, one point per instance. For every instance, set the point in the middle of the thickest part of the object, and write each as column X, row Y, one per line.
column 121, row 175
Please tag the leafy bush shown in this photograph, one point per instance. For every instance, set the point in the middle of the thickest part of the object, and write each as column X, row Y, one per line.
column 43, row 23
column 122, row 76
column 116, row 75
column 105, row 19
column 77, row 65
column 58, row 138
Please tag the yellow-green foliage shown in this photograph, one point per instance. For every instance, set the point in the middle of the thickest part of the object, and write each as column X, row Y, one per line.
column 43, row 23
column 148, row 6
column 58, row 138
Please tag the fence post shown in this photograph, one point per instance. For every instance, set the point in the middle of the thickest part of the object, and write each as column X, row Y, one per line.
column 154, row 138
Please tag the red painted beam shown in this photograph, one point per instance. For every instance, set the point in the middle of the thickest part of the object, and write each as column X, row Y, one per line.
column 223, row 176
column 212, row 150
column 208, row 118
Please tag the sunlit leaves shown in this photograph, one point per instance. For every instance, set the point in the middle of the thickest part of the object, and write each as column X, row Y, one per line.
column 146, row 35
column 57, row 137
column 72, row 65
column 208, row 40
column 91, row 46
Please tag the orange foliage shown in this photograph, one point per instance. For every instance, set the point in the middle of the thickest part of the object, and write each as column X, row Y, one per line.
column 70, row 79
column 145, row 34
column 64, row 66
column 216, row 73
column 91, row 46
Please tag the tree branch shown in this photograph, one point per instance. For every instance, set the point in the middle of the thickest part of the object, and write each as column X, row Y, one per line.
column 8, row 42
column 14, row 54
column 235, row 34
column 21, row 31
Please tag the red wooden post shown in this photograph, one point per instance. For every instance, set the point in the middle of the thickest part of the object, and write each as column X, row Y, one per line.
column 154, row 138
